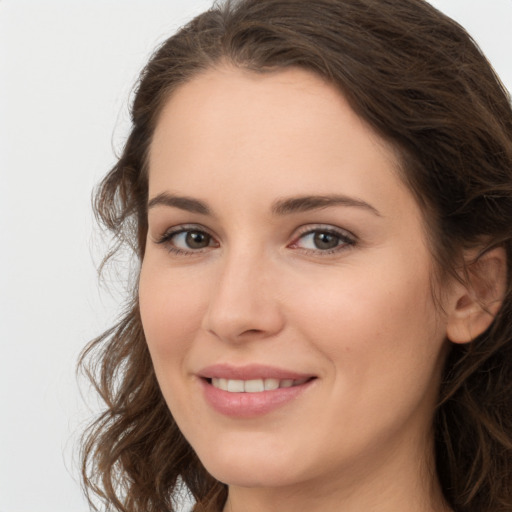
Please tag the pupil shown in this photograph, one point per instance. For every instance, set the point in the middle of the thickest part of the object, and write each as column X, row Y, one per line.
column 326, row 240
column 197, row 240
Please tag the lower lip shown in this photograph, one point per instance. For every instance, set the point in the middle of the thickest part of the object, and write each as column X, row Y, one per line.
column 249, row 405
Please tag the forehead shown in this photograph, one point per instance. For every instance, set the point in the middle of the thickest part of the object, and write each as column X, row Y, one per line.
column 285, row 132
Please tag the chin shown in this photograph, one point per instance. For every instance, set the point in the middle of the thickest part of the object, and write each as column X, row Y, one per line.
column 248, row 475
column 249, row 466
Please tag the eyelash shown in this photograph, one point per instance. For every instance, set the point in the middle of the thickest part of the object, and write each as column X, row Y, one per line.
column 345, row 239
column 167, row 237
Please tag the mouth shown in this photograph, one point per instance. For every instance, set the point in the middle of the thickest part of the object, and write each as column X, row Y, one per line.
column 255, row 385
column 252, row 391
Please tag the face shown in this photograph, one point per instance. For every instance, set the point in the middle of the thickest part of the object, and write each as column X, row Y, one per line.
column 285, row 291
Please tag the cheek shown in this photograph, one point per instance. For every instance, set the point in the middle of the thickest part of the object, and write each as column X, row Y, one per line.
column 171, row 309
column 384, row 352
column 373, row 325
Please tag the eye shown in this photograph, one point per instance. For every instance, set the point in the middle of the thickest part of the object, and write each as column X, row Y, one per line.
column 191, row 240
column 187, row 240
column 324, row 240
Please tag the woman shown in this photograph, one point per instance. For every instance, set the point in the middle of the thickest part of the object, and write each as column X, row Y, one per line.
column 319, row 194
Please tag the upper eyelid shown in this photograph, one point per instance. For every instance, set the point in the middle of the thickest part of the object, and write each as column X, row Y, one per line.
column 311, row 228
column 304, row 228
column 180, row 228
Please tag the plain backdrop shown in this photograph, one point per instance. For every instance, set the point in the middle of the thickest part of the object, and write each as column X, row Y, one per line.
column 66, row 72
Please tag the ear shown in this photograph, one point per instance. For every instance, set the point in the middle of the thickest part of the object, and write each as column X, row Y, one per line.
column 474, row 304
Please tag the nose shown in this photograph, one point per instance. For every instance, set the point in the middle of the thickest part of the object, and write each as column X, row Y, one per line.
column 244, row 302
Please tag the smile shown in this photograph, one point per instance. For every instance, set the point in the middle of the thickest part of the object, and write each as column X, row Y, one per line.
column 251, row 391
column 254, row 385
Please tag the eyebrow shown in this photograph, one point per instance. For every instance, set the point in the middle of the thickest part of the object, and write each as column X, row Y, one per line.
column 280, row 207
column 182, row 202
column 306, row 203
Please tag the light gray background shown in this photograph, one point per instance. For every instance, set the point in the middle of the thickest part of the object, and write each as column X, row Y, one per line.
column 66, row 71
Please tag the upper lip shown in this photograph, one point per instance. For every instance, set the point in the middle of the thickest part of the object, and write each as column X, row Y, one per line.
column 250, row 372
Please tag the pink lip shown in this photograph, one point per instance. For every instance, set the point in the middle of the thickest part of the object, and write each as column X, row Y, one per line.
column 247, row 372
column 250, row 405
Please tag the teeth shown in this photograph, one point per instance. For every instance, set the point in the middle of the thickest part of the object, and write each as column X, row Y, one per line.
column 254, row 385
column 236, row 386
column 271, row 384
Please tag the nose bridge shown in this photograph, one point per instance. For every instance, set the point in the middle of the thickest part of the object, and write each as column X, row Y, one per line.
column 242, row 301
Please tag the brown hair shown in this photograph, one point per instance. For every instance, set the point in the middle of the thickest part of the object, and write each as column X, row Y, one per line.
column 420, row 81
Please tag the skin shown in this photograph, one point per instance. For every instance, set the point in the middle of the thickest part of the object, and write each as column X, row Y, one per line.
column 361, row 318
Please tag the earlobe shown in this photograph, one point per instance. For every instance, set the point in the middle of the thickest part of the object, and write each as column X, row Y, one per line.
column 475, row 303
